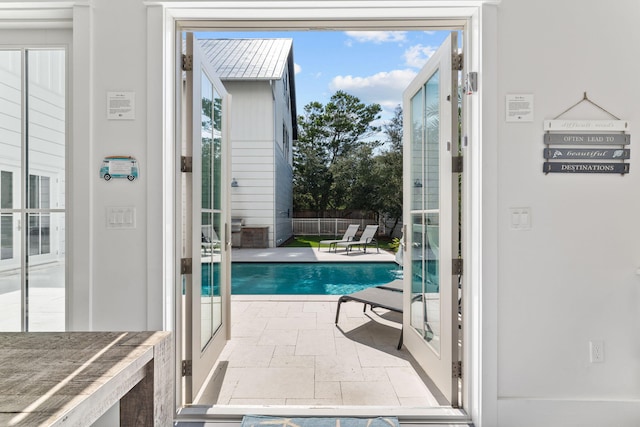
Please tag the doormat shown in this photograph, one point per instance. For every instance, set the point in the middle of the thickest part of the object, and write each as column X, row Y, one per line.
column 264, row 421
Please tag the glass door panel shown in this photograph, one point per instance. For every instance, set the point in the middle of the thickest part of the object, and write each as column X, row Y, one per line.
column 206, row 328
column 32, row 189
column 211, row 144
column 430, row 102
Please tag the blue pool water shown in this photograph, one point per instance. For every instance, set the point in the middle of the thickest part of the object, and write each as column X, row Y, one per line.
column 317, row 278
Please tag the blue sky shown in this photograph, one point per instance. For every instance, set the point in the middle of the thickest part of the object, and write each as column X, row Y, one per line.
column 375, row 66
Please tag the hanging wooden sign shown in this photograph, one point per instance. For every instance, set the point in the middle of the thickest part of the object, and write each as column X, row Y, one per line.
column 593, row 141
column 587, row 139
column 586, row 153
column 587, row 125
column 584, row 167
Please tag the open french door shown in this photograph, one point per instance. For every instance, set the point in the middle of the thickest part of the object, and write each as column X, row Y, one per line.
column 430, row 105
column 206, row 215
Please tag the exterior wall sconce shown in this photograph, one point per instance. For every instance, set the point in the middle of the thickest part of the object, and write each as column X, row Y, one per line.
column 234, row 183
column 417, row 183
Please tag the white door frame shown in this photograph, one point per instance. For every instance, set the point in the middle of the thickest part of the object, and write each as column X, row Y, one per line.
column 479, row 19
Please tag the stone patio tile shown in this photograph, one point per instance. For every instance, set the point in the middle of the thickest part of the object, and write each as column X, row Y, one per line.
column 269, row 383
column 278, row 337
column 315, row 343
column 338, row 368
column 369, row 393
column 245, row 356
column 406, row 382
column 284, row 350
column 293, row 361
column 371, row 357
column 289, row 323
column 328, row 390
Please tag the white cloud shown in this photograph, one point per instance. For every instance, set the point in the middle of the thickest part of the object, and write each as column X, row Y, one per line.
column 377, row 36
column 384, row 88
column 416, row 56
column 296, row 68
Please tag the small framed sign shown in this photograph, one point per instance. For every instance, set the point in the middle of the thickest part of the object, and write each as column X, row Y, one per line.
column 519, row 108
column 121, row 105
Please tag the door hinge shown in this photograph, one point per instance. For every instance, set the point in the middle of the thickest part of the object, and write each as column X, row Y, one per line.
column 457, row 61
column 471, row 85
column 456, row 266
column 186, row 266
column 456, row 164
column 187, row 368
column 187, row 62
column 456, row 369
column 186, row 164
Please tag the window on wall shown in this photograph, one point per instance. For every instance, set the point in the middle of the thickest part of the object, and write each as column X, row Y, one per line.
column 32, row 195
column 6, row 219
column 39, row 223
column 285, row 142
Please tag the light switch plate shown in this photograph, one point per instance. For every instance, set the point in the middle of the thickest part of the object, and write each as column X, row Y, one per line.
column 520, row 218
column 121, row 217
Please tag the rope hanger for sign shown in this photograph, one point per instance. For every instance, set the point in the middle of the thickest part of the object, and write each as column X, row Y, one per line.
column 585, row 98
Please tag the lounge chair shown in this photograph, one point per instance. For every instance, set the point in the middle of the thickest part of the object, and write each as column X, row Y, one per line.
column 374, row 297
column 366, row 239
column 210, row 240
column 348, row 236
column 396, row 285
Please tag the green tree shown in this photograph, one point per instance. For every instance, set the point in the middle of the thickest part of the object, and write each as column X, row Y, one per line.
column 388, row 172
column 355, row 180
column 330, row 138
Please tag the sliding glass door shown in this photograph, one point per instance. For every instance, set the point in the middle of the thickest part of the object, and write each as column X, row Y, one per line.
column 32, row 189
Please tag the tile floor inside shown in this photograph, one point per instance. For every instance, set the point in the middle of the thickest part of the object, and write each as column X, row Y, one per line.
column 288, row 351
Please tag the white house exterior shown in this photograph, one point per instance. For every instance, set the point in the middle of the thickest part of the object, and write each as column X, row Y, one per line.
column 258, row 74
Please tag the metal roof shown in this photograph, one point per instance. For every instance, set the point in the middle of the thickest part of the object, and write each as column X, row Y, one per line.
column 248, row 59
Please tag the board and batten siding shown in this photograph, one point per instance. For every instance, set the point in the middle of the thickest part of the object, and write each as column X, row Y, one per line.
column 283, row 160
column 262, row 140
column 252, row 153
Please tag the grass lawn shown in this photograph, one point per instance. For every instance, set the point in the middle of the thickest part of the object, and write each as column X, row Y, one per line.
column 313, row 242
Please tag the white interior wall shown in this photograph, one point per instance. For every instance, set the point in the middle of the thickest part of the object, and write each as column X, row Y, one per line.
column 118, row 282
column 571, row 278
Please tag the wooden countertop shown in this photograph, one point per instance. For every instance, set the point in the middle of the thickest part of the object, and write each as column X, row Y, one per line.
column 72, row 378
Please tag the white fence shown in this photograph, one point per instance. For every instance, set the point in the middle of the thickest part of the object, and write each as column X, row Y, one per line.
column 328, row 226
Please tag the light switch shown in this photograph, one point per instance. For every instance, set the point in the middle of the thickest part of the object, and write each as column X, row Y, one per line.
column 520, row 218
column 121, row 217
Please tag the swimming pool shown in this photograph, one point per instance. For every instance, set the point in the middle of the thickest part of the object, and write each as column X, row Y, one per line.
column 309, row 278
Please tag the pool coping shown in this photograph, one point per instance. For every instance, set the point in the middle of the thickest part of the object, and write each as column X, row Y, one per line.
column 285, row 298
column 308, row 255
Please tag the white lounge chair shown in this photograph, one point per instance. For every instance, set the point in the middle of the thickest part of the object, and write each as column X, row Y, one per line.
column 210, row 239
column 348, row 236
column 366, row 239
